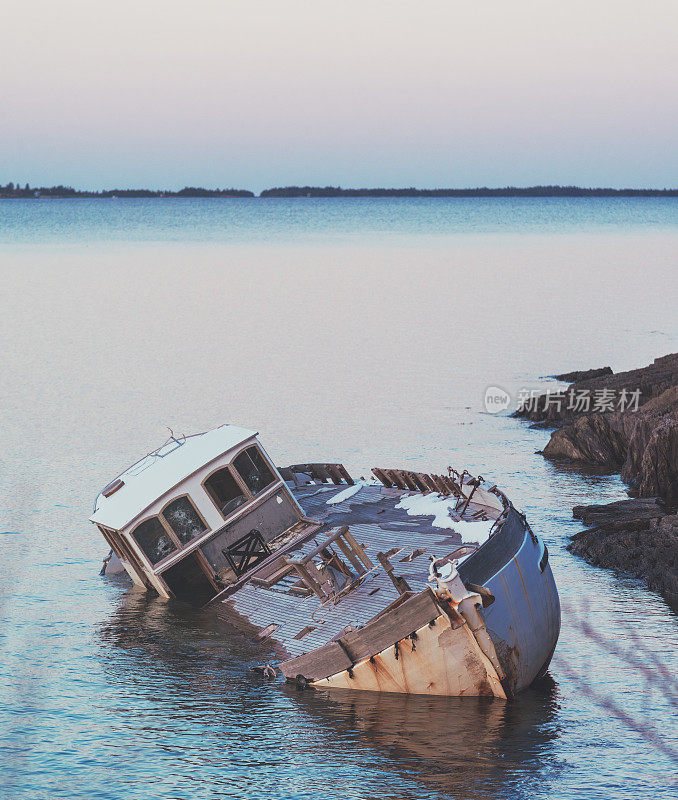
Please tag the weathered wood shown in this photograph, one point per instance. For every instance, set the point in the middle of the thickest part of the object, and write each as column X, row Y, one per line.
column 272, row 572
column 320, row 663
column 300, row 588
column 308, row 579
column 382, row 475
column 351, row 556
column 397, row 478
column 400, row 584
column 430, row 483
column 337, row 473
column 359, row 549
column 326, row 543
column 335, row 476
column 389, row 628
column 409, row 480
column 440, row 484
column 420, row 479
column 324, row 582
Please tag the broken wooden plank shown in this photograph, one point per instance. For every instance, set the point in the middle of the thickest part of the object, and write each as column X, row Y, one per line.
column 337, row 473
column 397, row 478
column 308, row 579
column 419, row 480
column 400, row 584
column 385, row 630
column 358, row 549
column 351, row 556
column 320, row 663
column 382, row 475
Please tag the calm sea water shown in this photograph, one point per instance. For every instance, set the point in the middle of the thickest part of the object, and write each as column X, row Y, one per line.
column 358, row 330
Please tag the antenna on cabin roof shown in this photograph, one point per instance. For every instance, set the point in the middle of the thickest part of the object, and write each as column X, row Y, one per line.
column 172, row 437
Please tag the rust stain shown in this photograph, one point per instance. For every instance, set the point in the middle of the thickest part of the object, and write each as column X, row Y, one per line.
column 403, row 669
column 381, row 673
column 509, row 658
column 477, row 672
column 446, row 638
column 455, row 617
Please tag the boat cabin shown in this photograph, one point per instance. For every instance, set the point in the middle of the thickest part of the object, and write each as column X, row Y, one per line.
column 191, row 518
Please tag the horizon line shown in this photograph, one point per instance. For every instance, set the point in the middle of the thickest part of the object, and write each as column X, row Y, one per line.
column 11, row 190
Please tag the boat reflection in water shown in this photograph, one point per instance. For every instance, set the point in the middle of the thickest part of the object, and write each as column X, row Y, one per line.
column 468, row 747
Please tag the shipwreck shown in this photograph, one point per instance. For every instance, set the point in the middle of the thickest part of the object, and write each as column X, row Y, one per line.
column 407, row 582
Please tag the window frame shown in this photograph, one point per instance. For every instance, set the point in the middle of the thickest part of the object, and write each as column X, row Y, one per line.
column 249, row 497
column 271, row 469
column 236, row 477
column 161, row 516
column 174, row 538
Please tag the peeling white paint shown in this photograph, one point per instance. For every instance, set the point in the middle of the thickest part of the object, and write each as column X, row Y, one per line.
column 346, row 493
column 439, row 507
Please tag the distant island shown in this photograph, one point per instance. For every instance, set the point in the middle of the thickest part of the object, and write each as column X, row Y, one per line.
column 12, row 190
column 507, row 191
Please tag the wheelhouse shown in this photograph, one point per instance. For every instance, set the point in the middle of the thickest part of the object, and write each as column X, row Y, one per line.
column 193, row 517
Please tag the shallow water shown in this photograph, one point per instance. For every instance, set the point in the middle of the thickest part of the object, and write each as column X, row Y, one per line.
column 362, row 331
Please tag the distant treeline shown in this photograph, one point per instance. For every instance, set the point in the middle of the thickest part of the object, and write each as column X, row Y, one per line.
column 507, row 191
column 16, row 190
column 12, row 190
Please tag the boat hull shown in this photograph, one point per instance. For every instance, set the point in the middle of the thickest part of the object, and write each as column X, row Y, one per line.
column 447, row 655
column 524, row 620
column 439, row 658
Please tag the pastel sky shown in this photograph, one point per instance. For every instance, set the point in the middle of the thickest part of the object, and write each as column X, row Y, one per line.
column 164, row 93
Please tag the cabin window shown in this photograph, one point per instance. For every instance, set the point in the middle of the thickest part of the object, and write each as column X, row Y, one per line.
column 225, row 491
column 183, row 518
column 154, row 540
column 253, row 470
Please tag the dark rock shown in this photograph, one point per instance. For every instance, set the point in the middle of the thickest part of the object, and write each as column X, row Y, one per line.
column 651, row 381
column 641, row 441
column 583, row 374
column 659, row 465
column 636, row 537
column 593, row 439
column 621, row 510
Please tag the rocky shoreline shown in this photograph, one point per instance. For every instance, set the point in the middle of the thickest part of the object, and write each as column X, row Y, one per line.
column 636, row 537
column 628, row 422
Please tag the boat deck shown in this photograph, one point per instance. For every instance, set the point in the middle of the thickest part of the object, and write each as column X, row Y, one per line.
column 355, row 585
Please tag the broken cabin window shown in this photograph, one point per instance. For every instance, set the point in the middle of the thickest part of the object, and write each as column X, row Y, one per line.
column 253, row 470
column 154, row 540
column 224, row 490
column 183, row 519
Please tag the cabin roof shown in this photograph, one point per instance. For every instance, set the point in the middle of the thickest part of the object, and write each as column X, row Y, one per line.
column 163, row 469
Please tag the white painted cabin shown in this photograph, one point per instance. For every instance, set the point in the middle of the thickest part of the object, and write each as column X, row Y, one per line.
column 192, row 517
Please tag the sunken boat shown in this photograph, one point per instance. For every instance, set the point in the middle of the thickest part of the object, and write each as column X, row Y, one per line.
column 407, row 582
